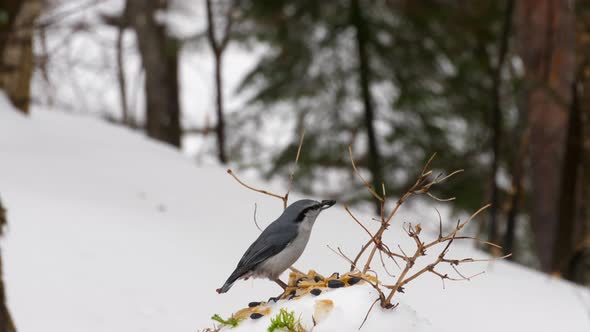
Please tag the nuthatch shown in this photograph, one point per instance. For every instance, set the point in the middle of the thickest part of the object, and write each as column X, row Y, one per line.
column 280, row 244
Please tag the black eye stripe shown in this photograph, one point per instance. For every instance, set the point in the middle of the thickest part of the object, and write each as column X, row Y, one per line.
column 301, row 215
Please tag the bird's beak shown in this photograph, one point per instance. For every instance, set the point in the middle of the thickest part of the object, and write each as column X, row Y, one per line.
column 327, row 203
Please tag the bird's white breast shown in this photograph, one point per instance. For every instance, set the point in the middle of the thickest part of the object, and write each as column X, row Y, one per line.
column 277, row 264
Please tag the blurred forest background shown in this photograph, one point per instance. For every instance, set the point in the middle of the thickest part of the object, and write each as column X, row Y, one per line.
column 500, row 88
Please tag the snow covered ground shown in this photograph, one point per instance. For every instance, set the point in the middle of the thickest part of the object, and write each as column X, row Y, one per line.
column 110, row 231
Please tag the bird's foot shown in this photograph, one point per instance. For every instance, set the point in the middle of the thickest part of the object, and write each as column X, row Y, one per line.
column 281, row 283
column 288, row 294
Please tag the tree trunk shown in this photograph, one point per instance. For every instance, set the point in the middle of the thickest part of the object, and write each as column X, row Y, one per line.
column 547, row 34
column 121, row 77
column 579, row 261
column 16, row 51
column 159, row 54
column 218, row 46
column 6, row 323
column 497, row 119
column 565, row 244
column 515, row 194
column 579, row 269
column 374, row 156
column 220, row 128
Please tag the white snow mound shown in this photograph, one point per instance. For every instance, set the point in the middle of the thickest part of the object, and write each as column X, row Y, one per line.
column 350, row 305
column 111, row 231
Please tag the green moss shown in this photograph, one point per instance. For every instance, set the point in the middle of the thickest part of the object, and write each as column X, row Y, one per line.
column 284, row 321
column 233, row 322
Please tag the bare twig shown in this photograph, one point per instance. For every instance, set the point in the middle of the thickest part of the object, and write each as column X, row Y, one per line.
column 457, row 229
column 478, row 240
column 423, row 184
column 403, row 252
column 363, row 248
column 360, row 224
column 341, row 254
column 365, row 182
column 440, row 199
column 255, row 221
column 368, row 312
column 292, row 175
column 230, row 172
column 219, row 44
column 284, row 198
column 473, row 260
column 439, row 223
column 384, row 266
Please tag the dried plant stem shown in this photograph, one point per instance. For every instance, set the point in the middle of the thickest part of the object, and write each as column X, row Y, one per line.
column 365, row 182
column 230, row 172
column 256, row 221
column 292, row 175
column 375, row 244
column 459, row 227
column 284, row 198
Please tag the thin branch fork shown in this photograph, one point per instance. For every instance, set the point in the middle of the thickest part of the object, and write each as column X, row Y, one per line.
column 459, row 227
column 284, row 198
column 341, row 254
column 292, row 175
column 414, row 232
column 423, row 184
column 376, row 241
column 219, row 44
column 420, row 251
column 230, row 172
column 365, row 182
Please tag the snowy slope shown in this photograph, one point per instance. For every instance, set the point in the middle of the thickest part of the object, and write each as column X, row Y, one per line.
column 110, row 231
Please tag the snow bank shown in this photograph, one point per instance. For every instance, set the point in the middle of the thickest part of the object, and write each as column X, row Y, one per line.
column 110, row 231
column 350, row 305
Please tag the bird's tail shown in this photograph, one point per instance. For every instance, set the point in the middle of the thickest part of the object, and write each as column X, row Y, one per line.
column 229, row 282
column 225, row 287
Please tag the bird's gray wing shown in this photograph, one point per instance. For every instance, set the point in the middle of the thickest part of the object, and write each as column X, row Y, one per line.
column 272, row 241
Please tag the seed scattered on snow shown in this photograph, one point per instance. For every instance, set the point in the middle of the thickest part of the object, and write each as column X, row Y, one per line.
column 302, row 285
column 336, row 284
column 252, row 312
column 353, row 280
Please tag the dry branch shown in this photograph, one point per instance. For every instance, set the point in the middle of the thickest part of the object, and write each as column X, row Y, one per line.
column 292, row 175
column 284, row 198
column 365, row 182
column 256, row 221
column 424, row 182
column 230, row 172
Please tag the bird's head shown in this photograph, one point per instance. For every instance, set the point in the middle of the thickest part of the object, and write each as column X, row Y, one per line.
column 306, row 209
